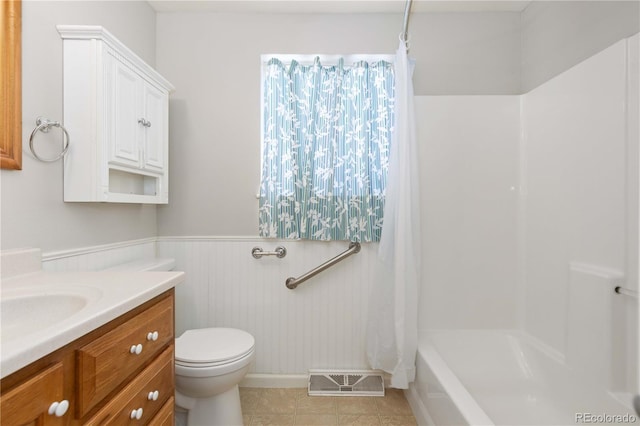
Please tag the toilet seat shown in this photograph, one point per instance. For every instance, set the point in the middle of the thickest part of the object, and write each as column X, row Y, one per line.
column 208, row 369
column 211, row 347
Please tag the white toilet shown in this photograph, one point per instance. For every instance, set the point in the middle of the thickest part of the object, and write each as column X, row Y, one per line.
column 210, row 362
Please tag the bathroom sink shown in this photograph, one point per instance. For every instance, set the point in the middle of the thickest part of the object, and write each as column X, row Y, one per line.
column 27, row 310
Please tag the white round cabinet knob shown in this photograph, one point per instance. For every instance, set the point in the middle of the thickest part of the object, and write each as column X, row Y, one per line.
column 136, row 414
column 59, row 409
column 136, row 349
column 152, row 336
column 153, row 396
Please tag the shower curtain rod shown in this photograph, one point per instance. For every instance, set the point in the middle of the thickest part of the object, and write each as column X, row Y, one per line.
column 404, row 36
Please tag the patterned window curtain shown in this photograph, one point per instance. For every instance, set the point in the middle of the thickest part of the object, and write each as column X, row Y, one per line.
column 326, row 140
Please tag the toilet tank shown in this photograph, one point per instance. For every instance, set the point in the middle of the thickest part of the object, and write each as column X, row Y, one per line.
column 142, row 265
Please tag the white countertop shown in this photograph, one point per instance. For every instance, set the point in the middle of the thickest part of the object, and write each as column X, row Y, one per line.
column 108, row 294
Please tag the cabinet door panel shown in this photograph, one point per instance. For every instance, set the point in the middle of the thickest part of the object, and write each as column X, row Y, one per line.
column 28, row 404
column 165, row 416
column 126, row 130
column 155, row 111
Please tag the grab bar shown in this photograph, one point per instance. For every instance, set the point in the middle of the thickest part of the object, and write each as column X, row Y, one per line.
column 279, row 252
column 626, row 291
column 292, row 282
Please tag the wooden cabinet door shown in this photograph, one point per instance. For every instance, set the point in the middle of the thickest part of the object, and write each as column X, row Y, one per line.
column 155, row 107
column 165, row 416
column 28, row 403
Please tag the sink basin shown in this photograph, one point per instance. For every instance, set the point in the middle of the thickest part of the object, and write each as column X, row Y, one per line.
column 27, row 310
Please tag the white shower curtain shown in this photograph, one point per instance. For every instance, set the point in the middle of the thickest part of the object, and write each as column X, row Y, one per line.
column 392, row 330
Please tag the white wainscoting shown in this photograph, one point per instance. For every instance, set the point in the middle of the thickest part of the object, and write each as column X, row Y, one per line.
column 321, row 324
column 99, row 257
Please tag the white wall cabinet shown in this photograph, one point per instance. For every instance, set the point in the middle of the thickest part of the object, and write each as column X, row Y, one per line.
column 116, row 110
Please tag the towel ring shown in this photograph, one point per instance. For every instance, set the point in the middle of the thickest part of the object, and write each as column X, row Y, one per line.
column 44, row 125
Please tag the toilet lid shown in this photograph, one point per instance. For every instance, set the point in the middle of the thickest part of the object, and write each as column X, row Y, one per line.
column 213, row 345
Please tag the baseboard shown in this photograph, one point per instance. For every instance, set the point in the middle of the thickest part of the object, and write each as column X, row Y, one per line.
column 256, row 380
column 419, row 410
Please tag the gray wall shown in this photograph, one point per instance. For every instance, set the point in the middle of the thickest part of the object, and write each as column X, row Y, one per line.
column 557, row 35
column 464, row 53
column 214, row 62
column 33, row 213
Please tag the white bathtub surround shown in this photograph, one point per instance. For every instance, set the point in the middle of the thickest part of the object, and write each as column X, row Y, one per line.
column 486, row 377
column 567, row 235
column 591, row 323
column 575, row 182
column 581, row 209
column 630, row 308
column 392, row 330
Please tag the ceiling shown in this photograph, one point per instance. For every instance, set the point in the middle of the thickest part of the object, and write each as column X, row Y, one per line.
column 336, row 6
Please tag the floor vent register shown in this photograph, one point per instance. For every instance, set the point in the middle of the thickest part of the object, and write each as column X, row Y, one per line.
column 346, row 383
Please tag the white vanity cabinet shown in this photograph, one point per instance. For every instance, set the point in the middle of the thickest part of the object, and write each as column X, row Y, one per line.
column 116, row 110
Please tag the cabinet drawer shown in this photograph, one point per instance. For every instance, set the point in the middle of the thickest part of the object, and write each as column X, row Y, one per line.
column 166, row 415
column 29, row 403
column 157, row 377
column 107, row 361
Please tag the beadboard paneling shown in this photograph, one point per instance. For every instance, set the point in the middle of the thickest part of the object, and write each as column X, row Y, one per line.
column 321, row 324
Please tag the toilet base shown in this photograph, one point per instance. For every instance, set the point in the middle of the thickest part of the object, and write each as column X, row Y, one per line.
column 220, row 410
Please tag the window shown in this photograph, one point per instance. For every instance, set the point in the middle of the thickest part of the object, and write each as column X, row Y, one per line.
column 326, row 131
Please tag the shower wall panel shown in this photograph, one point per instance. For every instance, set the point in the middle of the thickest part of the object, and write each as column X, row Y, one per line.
column 469, row 183
column 575, row 150
column 581, row 205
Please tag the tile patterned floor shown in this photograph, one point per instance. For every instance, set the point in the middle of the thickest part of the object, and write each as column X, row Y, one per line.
column 279, row 407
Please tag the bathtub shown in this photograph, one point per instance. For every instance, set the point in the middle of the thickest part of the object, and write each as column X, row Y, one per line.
column 477, row 377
